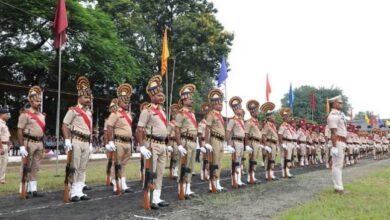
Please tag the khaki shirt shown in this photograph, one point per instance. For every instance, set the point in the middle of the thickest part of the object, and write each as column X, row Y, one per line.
column 202, row 127
column 270, row 131
column 327, row 132
column 29, row 125
column 309, row 138
column 4, row 132
column 119, row 123
column 321, row 138
column 301, row 135
column 171, row 129
column 75, row 121
column 216, row 123
column 286, row 131
column 184, row 122
column 314, row 137
column 336, row 119
column 149, row 118
column 236, row 126
column 349, row 137
column 252, row 128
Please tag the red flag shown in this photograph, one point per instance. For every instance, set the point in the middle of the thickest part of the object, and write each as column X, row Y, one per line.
column 371, row 120
column 313, row 101
column 267, row 89
column 60, row 24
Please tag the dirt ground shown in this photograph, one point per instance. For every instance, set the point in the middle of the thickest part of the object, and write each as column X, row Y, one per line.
column 255, row 202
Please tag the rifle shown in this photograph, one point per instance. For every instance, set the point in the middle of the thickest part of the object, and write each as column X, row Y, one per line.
column 108, row 170
column 184, row 170
column 25, row 173
column 117, row 168
column 205, row 167
column 69, row 172
column 171, row 163
column 141, row 169
column 252, row 163
column 234, row 166
column 149, row 176
column 213, row 168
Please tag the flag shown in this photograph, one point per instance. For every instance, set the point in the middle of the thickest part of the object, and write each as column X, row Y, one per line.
column 267, row 89
column 327, row 106
column 60, row 24
column 380, row 122
column 164, row 54
column 371, row 120
column 313, row 101
column 291, row 97
column 222, row 73
column 366, row 118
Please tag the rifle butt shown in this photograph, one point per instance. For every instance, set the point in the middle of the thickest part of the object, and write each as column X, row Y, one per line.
column 66, row 193
column 181, row 191
column 146, row 200
column 23, row 191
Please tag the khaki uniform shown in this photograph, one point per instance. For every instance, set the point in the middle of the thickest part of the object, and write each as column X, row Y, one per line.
column 34, row 148
column 237, row 128
column 217, row 136
column 122, row 137
column 315, row 146
column 287, row 138
column 155, row 141
column 301, row 133
column 4, row 138
column 172, row 143
column 321, row 150
column 309, row 146
column 202, row 131
column 255, row 135
column 336, row 120
column 271, row 134
column 80, row 133
column 295, row 144
column 188, row 131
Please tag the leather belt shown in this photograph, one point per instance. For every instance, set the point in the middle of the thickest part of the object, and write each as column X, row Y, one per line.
column 217, row 136
column 122, row 139
column 341, row 139
column 80, row 136
column 254, row 139
column 4, row 142
column 272, row 141
column 189, row 137
column 287, row 139
column 33, row 138
column 239, row 139
column 301, row 142
column 157, row 140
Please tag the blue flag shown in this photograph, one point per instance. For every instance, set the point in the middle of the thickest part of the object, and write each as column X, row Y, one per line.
column 291, row 97
column 222, row 73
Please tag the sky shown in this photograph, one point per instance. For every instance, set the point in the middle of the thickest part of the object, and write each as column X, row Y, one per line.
column 340, row 43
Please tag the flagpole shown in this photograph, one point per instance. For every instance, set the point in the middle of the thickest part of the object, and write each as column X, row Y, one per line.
column 58, row 104
column 167, row 97
column 173, row 77
column 226, row 106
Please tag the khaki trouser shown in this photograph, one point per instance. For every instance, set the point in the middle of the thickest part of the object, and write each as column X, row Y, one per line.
column 337, row 166
column 122, row 155
column 191, row 153
column 3, row 163
column 270, row 156
column 35, row 155
column 159, row 158
column 257, row 155
column 239, row 147
column 80, row 159
column 217, row 154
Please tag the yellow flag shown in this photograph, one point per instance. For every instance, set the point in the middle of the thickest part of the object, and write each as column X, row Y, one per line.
column 366, row 118
column 388, row 123
column 164, row 54
column 327, row 106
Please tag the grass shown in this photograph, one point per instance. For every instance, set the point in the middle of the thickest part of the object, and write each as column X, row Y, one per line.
column 367, row 198
column 96, row 174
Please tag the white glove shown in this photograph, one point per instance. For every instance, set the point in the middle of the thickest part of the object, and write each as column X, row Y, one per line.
column 231, row 149
column 312, row 147
column 145, row 152
column 23, row 151
column 182, row 150
column 268, row 149
column 68, row 145
column 284, row 146
column 334, row 151
column 262, row 146
column 208, row 147
column 112, row 145
column 169, row 149
column 203, row 150
column 248, row 149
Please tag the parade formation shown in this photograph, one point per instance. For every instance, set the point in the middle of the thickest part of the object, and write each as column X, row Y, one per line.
column 183, row 141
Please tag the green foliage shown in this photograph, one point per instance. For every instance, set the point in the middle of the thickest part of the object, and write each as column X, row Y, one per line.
column 302, row 107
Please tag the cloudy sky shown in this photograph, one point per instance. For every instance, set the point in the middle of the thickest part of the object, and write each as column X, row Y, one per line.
column 341, row 43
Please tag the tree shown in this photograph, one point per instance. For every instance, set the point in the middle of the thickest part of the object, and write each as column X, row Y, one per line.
column 302, row 107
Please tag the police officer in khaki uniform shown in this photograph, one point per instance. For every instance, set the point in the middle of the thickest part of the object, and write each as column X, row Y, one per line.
column 286, row 133
column 77, row 131
column 153, row 123
column 4, row 141
column 253, row 139
column 172, row 146
column 272, row 139
column 215, row 136
column 204, row 174
column 31, row 129
column 235, row 136
column 119, row 134
column 337, row 126
column 186, row 133
column 302, row 144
